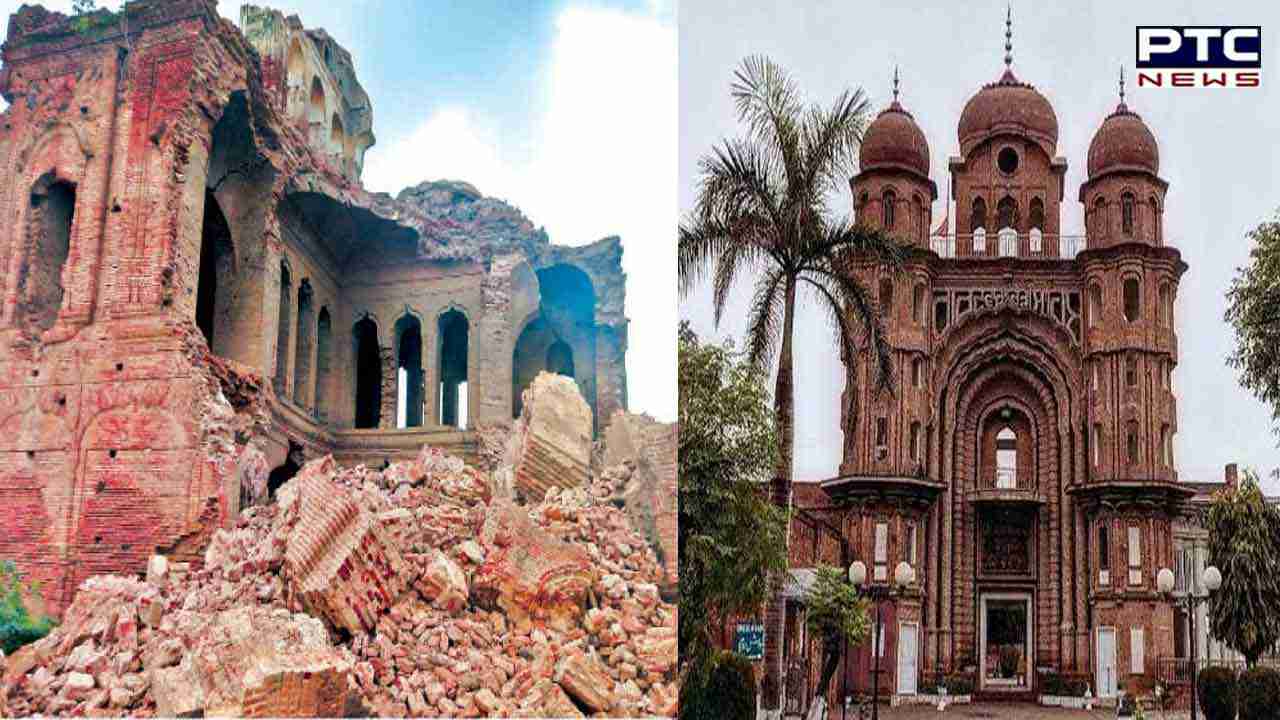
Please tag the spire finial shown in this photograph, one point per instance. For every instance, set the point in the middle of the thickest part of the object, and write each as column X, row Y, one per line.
column 1008, row 36
column 895, row 83
column 1122, row 84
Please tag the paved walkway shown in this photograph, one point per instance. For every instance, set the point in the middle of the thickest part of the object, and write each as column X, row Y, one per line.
column 1005, row 710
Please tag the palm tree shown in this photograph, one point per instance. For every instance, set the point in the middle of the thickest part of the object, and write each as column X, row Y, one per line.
column 763, row 207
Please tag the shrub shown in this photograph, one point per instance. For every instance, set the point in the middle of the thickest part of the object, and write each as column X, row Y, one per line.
column 959, row 684
column 1077, row 686
column 1257, row 693
column 17, row 627
column 1217, row 691
column 729, row 691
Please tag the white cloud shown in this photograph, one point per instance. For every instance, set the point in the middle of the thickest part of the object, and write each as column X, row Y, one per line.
column 602, row 163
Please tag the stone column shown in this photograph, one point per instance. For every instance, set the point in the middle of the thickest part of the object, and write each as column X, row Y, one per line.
column 387, row 414
column 491, row 338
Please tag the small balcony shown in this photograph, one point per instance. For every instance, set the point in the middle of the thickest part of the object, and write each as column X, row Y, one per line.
column 1008, row 243
column 1006, row 486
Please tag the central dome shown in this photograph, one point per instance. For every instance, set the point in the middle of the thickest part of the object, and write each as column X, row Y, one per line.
column 1008, row 106
column 893, row 140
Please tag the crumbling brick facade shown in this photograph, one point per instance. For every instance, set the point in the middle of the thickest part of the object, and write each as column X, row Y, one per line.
column 1022, row 464
column 187, row 220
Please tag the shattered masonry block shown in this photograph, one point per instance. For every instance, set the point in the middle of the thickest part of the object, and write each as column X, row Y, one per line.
column 547, row 699
column 650, row 495
column 339, row 562
column 583, row 677
column 158, row 571
column 444, row 584
column 552, row 438
column 255, row 662
column 531, row 574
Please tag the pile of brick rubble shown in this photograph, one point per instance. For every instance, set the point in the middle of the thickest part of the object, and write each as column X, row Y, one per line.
column 415, row 590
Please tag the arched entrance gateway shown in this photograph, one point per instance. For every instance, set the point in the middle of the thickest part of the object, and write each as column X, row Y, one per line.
column 1006, row 408
column 1019, row 463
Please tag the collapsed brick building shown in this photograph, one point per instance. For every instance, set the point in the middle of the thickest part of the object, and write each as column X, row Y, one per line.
column 1023, row 467
column 186, row 227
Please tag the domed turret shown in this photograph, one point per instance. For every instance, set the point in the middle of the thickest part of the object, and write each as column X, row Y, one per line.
column 1124, row 142
column 895, row 141
column 1123, row 195
column 893, row 191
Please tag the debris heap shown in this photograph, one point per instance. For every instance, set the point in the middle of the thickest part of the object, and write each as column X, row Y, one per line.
column 407, row 591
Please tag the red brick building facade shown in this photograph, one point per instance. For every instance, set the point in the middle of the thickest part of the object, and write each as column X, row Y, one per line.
column 1023, row 464
column 199, row 293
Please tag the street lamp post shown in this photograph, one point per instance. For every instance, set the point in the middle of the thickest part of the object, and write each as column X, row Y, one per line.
column 903, row 576
column 1191, row 602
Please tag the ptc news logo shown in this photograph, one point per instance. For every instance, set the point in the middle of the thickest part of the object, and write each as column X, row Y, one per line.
column 1199, row 56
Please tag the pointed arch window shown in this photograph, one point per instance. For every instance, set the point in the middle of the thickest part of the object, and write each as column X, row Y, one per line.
column 282, row 331
column 917, row 211
column 48, row 245
column 888, row 201
column 409, row 372
column 1156, row 238
column 1126, row 214
column 368, row 372
column 1100, row 217
column 1006, row 459
column 1007, row 213
column 978, row 218
column 454, row 333
column 1132, row 299
column 1095, row 305
column 324, row 361
column 302, row 381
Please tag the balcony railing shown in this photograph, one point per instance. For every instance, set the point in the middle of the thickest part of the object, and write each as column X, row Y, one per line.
column 1006, row 479
column 1008, row 243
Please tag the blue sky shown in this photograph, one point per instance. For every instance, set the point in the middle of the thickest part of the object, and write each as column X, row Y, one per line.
column 565, row 108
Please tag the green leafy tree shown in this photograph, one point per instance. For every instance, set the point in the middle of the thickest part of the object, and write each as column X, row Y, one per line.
column 836, row 613
column 1244, row 543
column 1253, row 309
column 17, row 627
column 732, row 540
column 763, row 209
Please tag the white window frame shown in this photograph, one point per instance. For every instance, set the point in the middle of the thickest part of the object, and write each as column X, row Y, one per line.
column 1135, row 555
column 882, row 552
column 1137, row 650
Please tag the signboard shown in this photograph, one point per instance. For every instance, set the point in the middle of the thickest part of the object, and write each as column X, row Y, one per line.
column 749, row 641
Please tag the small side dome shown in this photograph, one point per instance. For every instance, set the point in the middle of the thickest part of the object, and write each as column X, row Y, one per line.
column 1124, row 142
column 1008, row 105
column 894, row 141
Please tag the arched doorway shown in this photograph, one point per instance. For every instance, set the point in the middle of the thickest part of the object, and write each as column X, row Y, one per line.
column 216, row 270
column 453, row 333
column 1006, row 410
column 368, row 374
column 561, row 336
column 409, row 375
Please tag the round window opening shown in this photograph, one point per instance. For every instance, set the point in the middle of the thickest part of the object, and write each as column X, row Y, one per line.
column 1007, row 160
